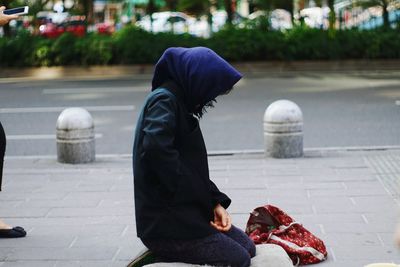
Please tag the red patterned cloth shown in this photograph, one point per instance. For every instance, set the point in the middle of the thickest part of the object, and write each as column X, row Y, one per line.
column 269, row 224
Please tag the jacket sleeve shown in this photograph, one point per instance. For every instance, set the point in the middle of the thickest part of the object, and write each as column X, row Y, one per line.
column 219, row 197
column 159, row 129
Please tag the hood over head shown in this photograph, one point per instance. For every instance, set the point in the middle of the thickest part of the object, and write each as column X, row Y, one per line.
column 199, row 71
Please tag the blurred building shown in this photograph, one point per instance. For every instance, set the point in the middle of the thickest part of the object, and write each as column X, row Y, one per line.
column 109, row 11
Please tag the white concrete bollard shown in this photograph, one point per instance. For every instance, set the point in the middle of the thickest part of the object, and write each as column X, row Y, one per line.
column 283, row 130
column 75, row 136
column 271, row 255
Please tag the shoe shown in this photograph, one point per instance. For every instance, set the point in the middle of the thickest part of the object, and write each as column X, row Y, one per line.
column 147, row 257
column 12, row 233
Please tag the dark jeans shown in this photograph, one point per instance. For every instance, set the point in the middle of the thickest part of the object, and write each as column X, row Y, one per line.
column 2, row 150
column 233, row 248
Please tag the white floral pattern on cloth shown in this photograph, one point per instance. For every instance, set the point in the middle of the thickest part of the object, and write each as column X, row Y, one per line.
column 270, row 225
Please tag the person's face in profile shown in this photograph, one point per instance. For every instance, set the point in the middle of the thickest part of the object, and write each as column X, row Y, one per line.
column 227, row 91
column 199, row 110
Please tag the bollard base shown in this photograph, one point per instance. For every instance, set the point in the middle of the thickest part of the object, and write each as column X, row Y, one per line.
column 75, row 153
column 284, row 145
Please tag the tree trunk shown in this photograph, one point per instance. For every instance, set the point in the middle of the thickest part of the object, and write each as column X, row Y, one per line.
column 229, row 11
column 87, row 6
column 171, row 4
column 385, row 15
column 7, row 30
column 210, row 20
column 290, row 8
column 151, row 8
column 332, row 14
column 211, row 8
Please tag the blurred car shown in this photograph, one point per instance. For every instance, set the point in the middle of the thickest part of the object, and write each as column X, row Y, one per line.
column 75, row 26
column 257, row 14
column 315, row 17
column 105, row 28
column 279, row 19
column 167, row 21
column 44, row 17
column 219, row 18
column 52, row 30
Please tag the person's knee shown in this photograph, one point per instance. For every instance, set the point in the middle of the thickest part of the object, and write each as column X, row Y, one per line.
column 240, row 260
column 252, row 249
column 2, row 141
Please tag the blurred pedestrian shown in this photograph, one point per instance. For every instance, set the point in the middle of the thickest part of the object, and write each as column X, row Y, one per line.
column 6, row 231
column 181, row 215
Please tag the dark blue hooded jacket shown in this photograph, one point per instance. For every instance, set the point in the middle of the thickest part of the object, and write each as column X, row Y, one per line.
column 174, row 196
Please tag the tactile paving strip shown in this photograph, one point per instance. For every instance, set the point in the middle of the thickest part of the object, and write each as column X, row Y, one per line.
column 387, row 169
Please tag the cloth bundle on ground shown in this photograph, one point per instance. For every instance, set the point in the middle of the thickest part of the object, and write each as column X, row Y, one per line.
column 269, row 224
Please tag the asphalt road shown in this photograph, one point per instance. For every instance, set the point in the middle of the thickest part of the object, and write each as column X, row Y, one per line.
column 339, row 110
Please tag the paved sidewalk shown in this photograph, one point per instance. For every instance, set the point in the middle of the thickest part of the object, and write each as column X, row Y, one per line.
column 384, row 67
column 83, row 215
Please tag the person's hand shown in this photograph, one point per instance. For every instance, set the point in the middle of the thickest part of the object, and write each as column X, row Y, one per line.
column 397, row 235
column 4, row 19
column 222, row 220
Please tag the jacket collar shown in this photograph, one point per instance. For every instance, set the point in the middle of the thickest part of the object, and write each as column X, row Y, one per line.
column 177, row 91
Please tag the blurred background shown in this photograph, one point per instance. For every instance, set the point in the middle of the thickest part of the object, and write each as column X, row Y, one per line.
column 285, row 49
column 104, row 32
column 51, row 18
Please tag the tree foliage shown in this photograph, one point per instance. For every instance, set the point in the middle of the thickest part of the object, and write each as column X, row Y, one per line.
column 384, row 4
column 194, row 7
column 171, row 4
column 135, row 46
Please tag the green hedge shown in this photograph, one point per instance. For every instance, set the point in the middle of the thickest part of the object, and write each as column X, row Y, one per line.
column 135, row 46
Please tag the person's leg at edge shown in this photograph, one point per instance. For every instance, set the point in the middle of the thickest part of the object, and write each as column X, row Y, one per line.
column 2, row 152
column 6, row 231
column 217, row 250
column 240, row 237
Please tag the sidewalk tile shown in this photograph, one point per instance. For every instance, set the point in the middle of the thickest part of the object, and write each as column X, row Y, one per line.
column 83, row 215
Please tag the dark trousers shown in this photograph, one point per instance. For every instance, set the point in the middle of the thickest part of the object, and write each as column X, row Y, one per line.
column 2, row 150
column 233, row 248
